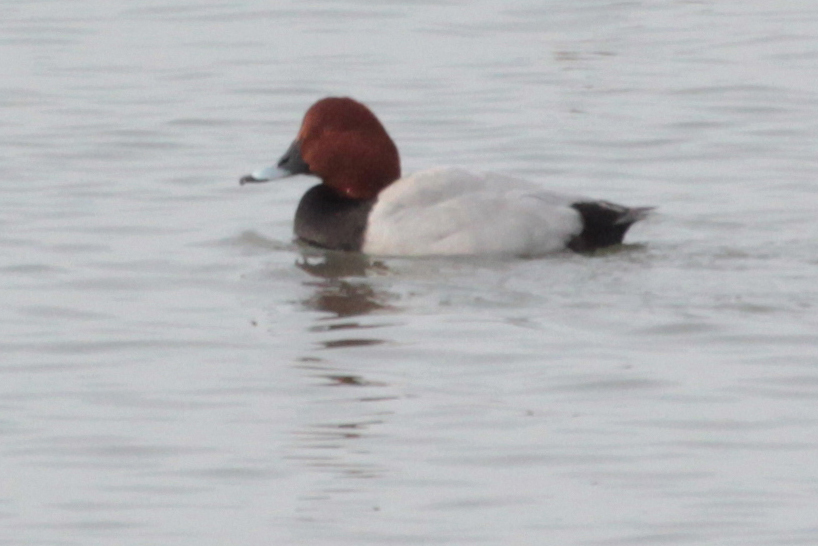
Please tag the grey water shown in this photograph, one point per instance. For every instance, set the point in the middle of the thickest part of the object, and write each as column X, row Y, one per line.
column 175, row 370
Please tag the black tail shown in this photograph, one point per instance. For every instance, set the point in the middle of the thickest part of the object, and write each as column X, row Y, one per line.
column 604, row 224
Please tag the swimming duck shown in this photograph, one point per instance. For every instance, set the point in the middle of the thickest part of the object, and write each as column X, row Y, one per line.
column 363, row 203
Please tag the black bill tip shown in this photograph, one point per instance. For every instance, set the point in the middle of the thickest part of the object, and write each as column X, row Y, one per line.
column 249, row 179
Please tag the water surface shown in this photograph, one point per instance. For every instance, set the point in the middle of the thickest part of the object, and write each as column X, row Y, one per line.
column 176, row 371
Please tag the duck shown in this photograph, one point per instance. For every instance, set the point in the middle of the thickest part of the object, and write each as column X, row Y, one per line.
column 363, row 203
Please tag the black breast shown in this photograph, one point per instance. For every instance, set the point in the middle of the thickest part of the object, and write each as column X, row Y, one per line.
column 329, row 220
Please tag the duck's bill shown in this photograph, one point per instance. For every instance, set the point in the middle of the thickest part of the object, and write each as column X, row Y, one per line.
column 265, row 175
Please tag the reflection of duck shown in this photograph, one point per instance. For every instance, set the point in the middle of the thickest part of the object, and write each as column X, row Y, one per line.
column 363, row 203
column 336, row 425
column 331, row 264
column 346, row 299
column 332, row 442
column 342, row 298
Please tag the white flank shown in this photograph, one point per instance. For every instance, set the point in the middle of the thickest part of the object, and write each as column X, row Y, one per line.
column 448, row 211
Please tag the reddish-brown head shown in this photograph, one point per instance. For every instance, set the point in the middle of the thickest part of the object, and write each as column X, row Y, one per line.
column 343, row 142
